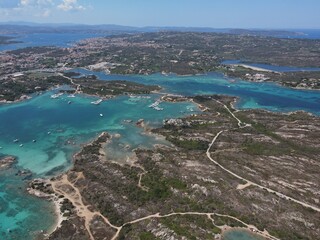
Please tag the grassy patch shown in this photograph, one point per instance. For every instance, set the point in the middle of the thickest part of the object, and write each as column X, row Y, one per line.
column 147, row 236
column 125, row 230
column 189, row 144
column 262, row 148
column 177, row 228
column 220, row 221
column 159, row 187
column 177, row 183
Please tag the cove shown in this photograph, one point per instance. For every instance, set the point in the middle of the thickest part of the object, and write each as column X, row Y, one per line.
column 240, row 234
column 46, row 39
column 268, row 96
column 59, row 130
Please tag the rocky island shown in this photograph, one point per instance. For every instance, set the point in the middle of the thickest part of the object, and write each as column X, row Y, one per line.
column 224, row 169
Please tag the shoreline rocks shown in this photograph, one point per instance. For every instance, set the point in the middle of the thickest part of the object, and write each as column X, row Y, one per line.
column 7, row 162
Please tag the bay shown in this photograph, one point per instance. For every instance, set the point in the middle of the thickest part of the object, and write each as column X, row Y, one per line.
column 63, row 40
column 49, row 131
column 240, row 234
column 60, row 129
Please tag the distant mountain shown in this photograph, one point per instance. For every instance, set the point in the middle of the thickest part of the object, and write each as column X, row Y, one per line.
column 28, row 27
column 273, row 33
column 32, row 24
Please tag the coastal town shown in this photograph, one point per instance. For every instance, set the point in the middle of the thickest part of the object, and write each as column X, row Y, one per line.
column 161, row 53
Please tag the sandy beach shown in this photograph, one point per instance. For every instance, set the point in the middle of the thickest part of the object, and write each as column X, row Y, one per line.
column 253, row 68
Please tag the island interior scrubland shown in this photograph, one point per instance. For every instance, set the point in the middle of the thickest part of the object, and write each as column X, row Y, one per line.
column 224, row 169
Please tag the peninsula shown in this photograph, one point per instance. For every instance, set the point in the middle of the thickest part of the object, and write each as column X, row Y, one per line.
column 224, row 169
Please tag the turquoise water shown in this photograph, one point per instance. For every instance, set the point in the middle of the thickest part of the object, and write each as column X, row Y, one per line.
column 238, row 234
column 60, row 129
column 267, row 96
column 273, row 67
column 54, row 122
column 21, row 216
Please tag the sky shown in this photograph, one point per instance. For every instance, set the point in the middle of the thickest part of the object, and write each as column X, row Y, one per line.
column 275, row 14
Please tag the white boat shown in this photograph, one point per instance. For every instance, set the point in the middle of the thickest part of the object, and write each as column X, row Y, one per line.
column 71, row 96
column 158, row 108
column 97, row 102
column 155, row 105
column 101, row 115
column 56, row 95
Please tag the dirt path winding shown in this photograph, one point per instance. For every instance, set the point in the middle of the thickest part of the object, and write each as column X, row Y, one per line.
column 248, row 182
column 210, row 216
column 78, row 88
column 71, row 192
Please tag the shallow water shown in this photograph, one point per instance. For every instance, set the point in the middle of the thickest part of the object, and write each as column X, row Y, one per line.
column 22, row 216
column 238, row 234
column 54, row 122
column 60, row 129
column 269, row 96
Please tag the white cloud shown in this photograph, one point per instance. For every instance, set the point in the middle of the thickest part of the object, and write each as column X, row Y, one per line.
column 70, row 5
column 24, row 2
column 30, row 10
column 35, row 3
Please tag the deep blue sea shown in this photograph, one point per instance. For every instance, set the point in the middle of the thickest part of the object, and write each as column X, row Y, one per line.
column 307, row 33
column 68, row 39
column 47, row 39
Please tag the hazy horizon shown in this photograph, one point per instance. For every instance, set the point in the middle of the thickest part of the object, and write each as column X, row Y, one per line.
column 245, row 14
column 27, row 23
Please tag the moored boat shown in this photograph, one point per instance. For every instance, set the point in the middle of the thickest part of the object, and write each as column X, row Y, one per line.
column 96, row 102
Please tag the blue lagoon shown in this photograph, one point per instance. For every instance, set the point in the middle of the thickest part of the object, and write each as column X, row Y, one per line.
column 60, row 129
